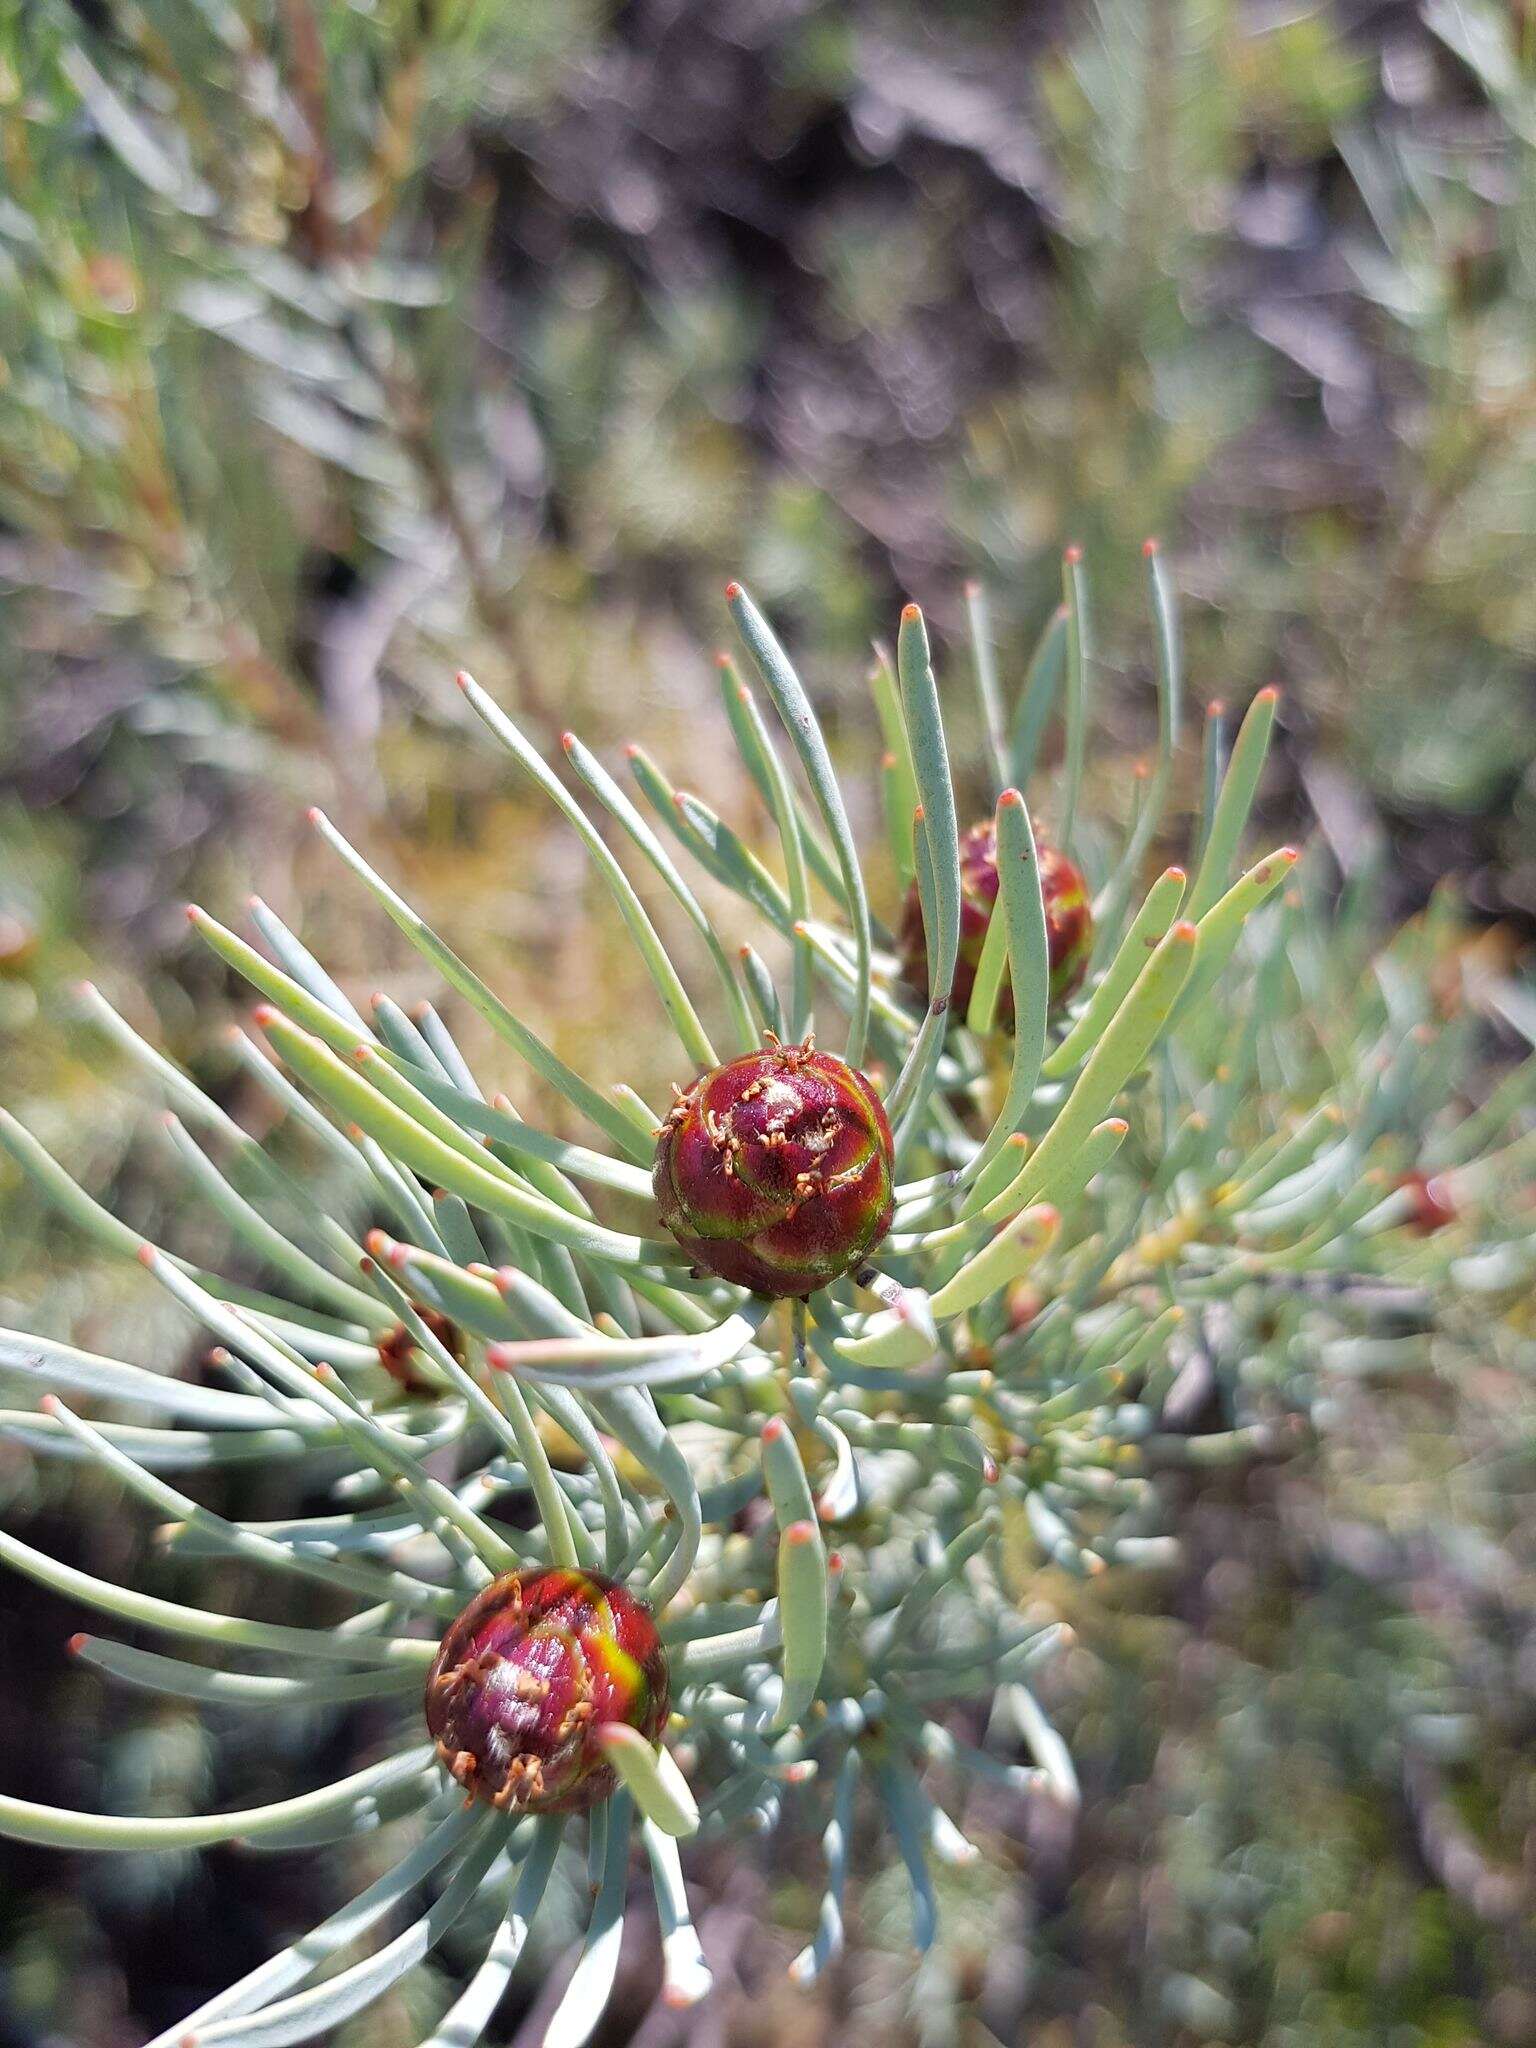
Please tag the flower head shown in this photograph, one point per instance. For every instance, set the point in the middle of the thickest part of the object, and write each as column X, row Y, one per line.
column 1068, row 921
column 777, row 1170
column 528, row 1677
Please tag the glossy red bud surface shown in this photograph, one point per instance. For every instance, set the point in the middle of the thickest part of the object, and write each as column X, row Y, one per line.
column 1068, row 923
column 531, row 1672
column 777, row 1170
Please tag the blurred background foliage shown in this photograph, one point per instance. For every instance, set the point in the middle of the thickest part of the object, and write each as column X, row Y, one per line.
column 345, row 344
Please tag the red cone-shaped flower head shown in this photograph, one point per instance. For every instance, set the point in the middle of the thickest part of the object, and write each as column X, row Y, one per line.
column 1068, row 923
column 777, row 1170
column 529, row 1675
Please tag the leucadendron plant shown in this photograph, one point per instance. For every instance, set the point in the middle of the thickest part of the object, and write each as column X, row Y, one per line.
column 796, row 1383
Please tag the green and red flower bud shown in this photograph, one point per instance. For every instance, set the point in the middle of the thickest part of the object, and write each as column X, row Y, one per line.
column 777, row 1170
column 528, row 1677
column 1068, row 923
column 397, row 1347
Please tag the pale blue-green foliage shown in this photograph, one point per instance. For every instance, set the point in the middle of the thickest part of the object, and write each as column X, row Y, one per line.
column 1197, row 1166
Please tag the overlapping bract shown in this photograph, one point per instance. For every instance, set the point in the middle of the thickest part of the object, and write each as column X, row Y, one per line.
column 525, row 1327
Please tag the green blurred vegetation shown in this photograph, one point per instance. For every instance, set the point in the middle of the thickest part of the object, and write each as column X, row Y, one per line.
column 343, row 345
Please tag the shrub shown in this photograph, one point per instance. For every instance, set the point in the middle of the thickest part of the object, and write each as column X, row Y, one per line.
column 524, row 1382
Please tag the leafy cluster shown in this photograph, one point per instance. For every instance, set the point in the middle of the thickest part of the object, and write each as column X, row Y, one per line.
column 1245, row 1140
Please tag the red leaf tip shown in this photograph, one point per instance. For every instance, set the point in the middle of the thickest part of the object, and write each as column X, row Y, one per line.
column 800, row 1533
column 1270, row 694
column 732, row 592
column 1184, row 932
column 1072, row 555
column 567, row 740
column 1149, row 548
column 910, row 612
column 1011, row 799
column 773, row 1429
column 76, row 1644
